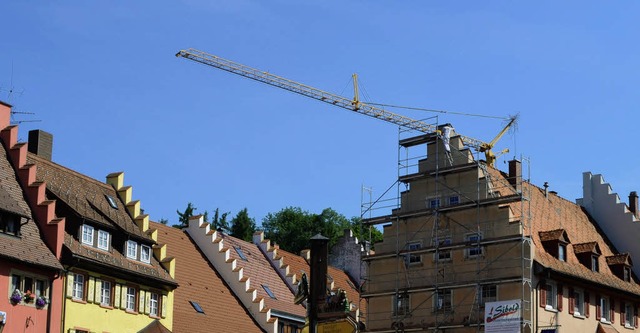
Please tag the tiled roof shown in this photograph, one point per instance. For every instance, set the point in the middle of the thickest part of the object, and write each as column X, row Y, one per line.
column 29, row 247
column 619, row 259
column 85, row 195
column 258, row 268
column 200, row 282
column 155, row 327
column 553, row 212
column 298, row 264
column 554, row 235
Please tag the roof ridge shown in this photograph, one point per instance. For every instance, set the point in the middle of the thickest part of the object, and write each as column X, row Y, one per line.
column 76, row 173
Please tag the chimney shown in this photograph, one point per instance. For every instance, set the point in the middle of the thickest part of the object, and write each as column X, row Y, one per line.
column 515, row 175
column 633, row 203
column 41, row 143
column 546, row 189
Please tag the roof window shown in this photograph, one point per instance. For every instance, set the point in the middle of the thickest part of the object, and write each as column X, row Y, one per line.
column 269, row 292
column 112, row 201
column 196, row 306
column 240, row 253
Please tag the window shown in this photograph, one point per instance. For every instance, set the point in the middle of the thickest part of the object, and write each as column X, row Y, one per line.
column 103, row 240
column 240, row 253
column 132, row 249
column 434, row 203
column 145, row 253
column 444, row 255
column 414, row 258
column 78, row 287
column 562, row 252
column 629, row 315
column 488, row 293
column 154, row 304
column 196, row 306
column 111, row 201
column 105, row 293
column 626, row 274
column 23, row 282
column 401, row 304
column 443, row 300
column 578, row 303
column 268, row 291
column 130, row 304
column 10, row 224
column 604, row 313
column 475, row 250
column 454, row 200
column 87, row 234
column 551, row 299
column 594, row 264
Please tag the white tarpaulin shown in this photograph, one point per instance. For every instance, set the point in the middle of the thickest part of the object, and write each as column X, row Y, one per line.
column 502, row 316
column 446, row 135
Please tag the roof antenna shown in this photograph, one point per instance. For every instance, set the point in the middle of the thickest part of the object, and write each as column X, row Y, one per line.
column 14, row 110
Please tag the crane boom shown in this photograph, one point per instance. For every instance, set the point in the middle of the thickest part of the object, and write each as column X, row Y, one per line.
column 327, row 97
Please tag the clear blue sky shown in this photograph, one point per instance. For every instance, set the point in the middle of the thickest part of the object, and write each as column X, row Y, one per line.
column 102, row 77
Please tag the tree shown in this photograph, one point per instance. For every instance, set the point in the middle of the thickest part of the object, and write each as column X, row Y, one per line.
column 164, row 221
column 370, row 234
column 220, row 221
column 183, row 217
column 243, row 226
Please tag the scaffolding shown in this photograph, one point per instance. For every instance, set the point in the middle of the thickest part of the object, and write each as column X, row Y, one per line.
column 456, row 236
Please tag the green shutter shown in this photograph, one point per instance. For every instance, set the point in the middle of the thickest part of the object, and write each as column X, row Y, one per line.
column 91, row 289
column 70, row 284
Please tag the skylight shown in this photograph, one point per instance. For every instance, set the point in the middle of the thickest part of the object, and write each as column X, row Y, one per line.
column 112, row 202
column 240, row 253
column 269, row 292
column 196, row 306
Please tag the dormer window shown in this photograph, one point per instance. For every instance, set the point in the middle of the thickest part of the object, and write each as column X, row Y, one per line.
column 10, row 224
column 103, row 240
column 93, row 237
column 620, row 265
column 555, row 243
column 589, row 255
column 132, row 249
column 87, row 234
column 145, row 254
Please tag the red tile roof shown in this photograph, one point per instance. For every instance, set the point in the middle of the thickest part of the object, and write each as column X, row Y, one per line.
column 200, row 282
column 29, row 247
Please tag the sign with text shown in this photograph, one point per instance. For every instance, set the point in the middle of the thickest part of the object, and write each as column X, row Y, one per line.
column 502, row 316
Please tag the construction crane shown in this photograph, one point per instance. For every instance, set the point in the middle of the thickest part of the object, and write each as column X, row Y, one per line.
column 350, row 104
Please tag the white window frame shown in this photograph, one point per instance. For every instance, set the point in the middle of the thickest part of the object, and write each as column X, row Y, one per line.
column 146, row 258
column 595, row 264
column 154, row 304
column 414, row 258
column 105, row 293
column 103, row 239
column 551, row 299
column 401, row 304
column 562, row 252
column 629, row 315
column 132, row 249
column 87, row 234
column 130, row 299
column 484, row 299
column 578, row 302
column 443, row 294
column 479, row 248
column 444, row 255
column 78, row 286
column 605, row 309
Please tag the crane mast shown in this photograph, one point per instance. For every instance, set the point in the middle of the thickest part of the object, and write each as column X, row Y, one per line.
column 354, row 104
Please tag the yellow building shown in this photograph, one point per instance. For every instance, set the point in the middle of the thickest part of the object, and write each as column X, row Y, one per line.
column 466, row 237
column 118, row 278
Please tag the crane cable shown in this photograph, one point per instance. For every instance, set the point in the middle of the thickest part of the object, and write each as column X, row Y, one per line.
column 438, row 111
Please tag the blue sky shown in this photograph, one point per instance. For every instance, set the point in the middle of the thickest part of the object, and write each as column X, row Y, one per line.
column 102, row 77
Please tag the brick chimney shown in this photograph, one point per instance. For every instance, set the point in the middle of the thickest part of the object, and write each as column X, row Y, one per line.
column 41, row 143
column 633, row 203
column 515, row 175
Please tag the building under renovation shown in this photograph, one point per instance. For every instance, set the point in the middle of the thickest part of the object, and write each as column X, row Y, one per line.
column 469, row 248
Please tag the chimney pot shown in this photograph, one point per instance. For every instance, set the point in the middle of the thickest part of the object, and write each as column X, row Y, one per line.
column 633, row 203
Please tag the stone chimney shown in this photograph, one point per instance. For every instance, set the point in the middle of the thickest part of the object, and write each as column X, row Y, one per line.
column 515, row 175
column 633, row 203
column 41, row 143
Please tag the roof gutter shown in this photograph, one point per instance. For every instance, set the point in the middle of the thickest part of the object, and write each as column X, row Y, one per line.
column 287, row 316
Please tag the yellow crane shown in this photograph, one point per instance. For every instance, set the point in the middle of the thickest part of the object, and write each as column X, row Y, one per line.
column 350, row 104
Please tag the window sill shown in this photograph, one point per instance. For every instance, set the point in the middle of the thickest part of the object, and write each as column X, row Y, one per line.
column 131, row 311
column 550, row 308
column 77, row 300
column 629, row 327
column 105, row 306
column 579, row 316
column 604, row 321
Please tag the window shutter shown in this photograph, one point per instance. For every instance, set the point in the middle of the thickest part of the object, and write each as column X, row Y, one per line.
column 543, row 295
column 123, row 297
column 91, row 289
column 612, row 315
column 587, row 304
column 560, row 298
column 116, row 296
column 147, row 300
column 98, row 291
column 69, row 284
column 622, row 313
column 572, row 300
column 141, row 302
column 598, row 307
column 164, row 306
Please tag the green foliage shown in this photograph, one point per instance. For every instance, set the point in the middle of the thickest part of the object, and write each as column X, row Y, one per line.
column 220, row 221
column 291, row 227
column 183, row 217
column 364, row 233
column 243, row 226
column 164, row 221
